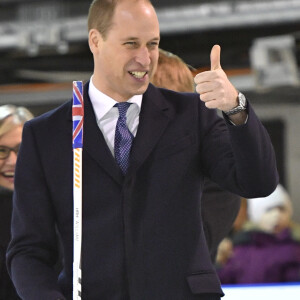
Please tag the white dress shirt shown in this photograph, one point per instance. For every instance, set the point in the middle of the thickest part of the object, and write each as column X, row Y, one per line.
column 107, row 115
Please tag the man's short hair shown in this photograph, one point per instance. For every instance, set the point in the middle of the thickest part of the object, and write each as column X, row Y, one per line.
column 101, row 14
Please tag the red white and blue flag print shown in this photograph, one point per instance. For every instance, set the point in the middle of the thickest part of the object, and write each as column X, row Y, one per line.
column 77, row 114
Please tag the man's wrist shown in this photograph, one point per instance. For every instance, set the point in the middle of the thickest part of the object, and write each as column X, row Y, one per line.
column 242, row 105
column 240, row 118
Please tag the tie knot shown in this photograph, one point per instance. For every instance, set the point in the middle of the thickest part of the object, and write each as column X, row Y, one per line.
column 122, row 107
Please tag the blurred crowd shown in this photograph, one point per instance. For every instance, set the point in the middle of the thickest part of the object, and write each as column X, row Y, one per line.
column 265, row 247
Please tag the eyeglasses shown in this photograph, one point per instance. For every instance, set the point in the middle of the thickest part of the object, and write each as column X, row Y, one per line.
column 5, row 151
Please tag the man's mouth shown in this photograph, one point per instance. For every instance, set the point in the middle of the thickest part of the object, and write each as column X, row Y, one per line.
column 138, row 75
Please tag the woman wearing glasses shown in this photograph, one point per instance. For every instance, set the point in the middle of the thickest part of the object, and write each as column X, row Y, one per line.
column 12, row 120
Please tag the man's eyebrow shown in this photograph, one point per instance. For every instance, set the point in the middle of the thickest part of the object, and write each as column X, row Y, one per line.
column 130, row 38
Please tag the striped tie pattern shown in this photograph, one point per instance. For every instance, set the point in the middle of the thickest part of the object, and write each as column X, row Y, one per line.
column 123, row 138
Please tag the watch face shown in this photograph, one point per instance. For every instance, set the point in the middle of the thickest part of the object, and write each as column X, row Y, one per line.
column 242, row 100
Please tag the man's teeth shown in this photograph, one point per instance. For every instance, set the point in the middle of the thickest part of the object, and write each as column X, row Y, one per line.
column 138, row 75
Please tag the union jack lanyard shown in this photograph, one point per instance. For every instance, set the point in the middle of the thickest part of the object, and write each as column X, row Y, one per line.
column 77, row 140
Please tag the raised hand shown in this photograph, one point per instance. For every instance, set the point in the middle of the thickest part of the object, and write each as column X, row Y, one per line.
column 214, row 87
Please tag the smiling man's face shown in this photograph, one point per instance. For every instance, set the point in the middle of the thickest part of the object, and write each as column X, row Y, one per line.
column 126, row 59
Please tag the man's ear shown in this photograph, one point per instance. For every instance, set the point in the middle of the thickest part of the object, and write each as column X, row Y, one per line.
column 95, row 40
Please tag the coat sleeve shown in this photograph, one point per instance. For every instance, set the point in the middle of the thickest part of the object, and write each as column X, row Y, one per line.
column 217, row 202
column 241, row 158
column 34, row 241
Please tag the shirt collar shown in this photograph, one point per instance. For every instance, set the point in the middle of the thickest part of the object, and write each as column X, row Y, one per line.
column 102, row 103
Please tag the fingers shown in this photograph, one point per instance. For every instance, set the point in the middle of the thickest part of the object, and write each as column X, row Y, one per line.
column 206, row 86
column 208, row 97
column 215, row 58
column 211, row 99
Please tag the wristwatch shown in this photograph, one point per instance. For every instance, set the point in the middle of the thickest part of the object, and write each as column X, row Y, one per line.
column 241, row 106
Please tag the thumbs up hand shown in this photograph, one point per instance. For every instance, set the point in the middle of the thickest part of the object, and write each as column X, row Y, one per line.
column 214, row 87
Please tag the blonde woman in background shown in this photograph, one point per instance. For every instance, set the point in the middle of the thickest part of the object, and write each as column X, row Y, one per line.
column 12, row 119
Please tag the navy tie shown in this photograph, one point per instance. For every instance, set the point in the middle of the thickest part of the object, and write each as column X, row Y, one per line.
column 123, row 138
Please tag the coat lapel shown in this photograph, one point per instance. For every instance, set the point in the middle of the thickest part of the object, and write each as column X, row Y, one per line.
column 154, row 117
column 94, row 143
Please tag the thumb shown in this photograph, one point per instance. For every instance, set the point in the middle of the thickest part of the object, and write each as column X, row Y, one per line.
column 215, row 56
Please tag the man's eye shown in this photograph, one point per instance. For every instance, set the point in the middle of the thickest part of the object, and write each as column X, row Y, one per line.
column 153, row 44
column 130, row 43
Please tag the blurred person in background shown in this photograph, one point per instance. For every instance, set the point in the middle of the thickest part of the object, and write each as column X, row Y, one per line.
column 267, row 249
column 224, row 250
column 12, row 120
column 219, row 207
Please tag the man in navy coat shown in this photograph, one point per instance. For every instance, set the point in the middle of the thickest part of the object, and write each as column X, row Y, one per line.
column 142, row 233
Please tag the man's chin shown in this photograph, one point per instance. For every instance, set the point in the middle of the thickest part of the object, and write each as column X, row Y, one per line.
column 141, row 89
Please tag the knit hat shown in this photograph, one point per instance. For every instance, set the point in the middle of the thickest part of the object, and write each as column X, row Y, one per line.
column 257, row 207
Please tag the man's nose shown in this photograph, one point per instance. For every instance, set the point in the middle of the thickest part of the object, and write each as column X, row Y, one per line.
column 143, row 56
